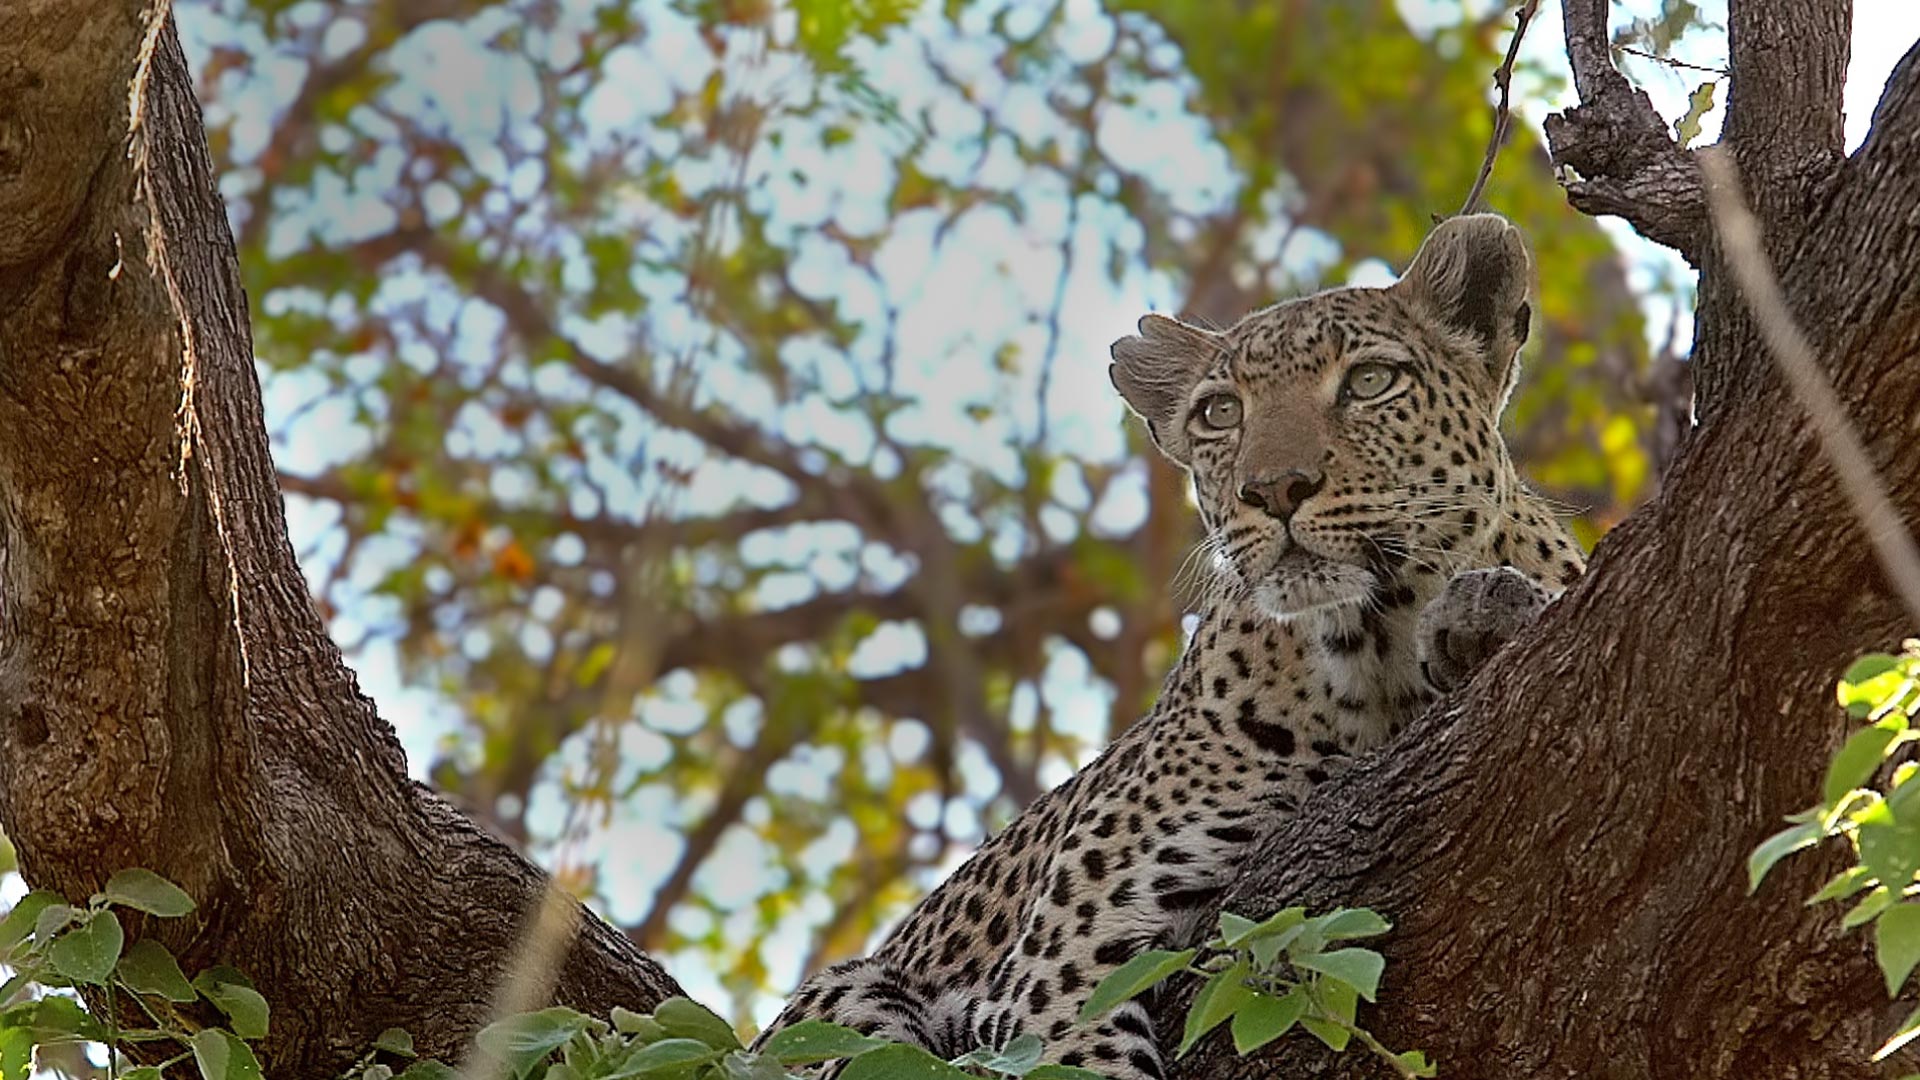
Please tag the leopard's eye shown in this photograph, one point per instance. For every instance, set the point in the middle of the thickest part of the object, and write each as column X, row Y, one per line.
column 1368, row 381
column 1221, row 412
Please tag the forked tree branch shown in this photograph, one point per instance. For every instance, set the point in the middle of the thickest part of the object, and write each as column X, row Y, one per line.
column 1615, row 148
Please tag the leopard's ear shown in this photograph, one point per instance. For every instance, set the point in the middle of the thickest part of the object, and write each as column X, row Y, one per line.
column 1156, row 370
column 1473, row 272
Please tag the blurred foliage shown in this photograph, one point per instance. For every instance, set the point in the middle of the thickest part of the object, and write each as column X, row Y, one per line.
column 704, row 399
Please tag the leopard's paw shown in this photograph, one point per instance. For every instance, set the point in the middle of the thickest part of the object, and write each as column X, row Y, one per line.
column 1478, row 611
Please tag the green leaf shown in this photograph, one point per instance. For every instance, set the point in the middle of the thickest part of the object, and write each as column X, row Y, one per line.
column 1339, row 999
column 1335, row 1036
column 61, row 1016
column 899, row 1062
column 52, row 919
column 1349, row 923
column 427, row 1070
column 144, row 890
column 1868, row 667
column 232, row 994
column 1017, row 1059
column 16, row 1053
column 1890, row 849
column 21, row 918
column 810, row 1042
column 223, row 1057
column 144, row 1072
column 519, row 1042
column 1358, row 968
column 740, row 1065
column 1265, row 1018
column 1280, row 923
column 148, row 968
column 1869, row 908
column 1844, row 884
column 1777, row 847
column 395, row 1041
column 1415, row 1062
column 628, row 1022
column 1133, row 978
column 1219, row 999
column 87, row 953
column 1699, row 103
column 1265, row 951
column 1234, row 928
column 1909, row 1030
column 1896, row 944
column 671, row 1054
column 1903, row 796
column 688, row 1019
column 1862, row 696
column 1857, row 760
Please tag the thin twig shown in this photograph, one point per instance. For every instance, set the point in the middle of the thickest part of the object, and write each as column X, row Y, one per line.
column 1671, row 62
column 1502, row 113
column 1740, row 242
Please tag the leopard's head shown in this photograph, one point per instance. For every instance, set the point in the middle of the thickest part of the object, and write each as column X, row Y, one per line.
column 1347, row 441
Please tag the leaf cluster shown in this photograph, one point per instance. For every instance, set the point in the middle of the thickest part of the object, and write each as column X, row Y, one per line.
column 682, row 1040
column 1262, row 979
column 1881, row 824
column 52, row 945
column 1265, row 977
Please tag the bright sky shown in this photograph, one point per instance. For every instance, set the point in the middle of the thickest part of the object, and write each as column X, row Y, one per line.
column 945, row 293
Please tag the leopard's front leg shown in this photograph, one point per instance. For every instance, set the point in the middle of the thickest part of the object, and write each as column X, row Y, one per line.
column 1478, row 612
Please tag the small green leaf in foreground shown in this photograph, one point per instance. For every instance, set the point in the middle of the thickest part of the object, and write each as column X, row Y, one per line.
column 148, row 968
column 1777, row 847
column 144, row 890
column 810, row 1042
column 87, row 953
column 1133, row 978
column 230, row 992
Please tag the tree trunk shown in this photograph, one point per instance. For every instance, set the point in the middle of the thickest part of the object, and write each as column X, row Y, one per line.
column 169, row 697
column 1561, row 846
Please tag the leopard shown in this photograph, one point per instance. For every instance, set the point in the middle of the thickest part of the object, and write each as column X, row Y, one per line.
column 1370, row 544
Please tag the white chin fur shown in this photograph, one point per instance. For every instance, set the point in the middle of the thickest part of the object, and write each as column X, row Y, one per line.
column 1291, row 592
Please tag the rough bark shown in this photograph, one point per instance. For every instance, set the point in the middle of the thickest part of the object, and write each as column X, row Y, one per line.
column 1563, row 854
column 1616, row 147
column 169, row 697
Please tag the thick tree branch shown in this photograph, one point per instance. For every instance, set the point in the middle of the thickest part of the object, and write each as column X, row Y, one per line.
column 1784, row 116
column 1783, row 128
column 1624, row 160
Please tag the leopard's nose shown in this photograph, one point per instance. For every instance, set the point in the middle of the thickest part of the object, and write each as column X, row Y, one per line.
column 1281, row 494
